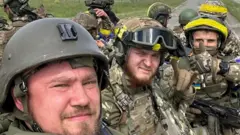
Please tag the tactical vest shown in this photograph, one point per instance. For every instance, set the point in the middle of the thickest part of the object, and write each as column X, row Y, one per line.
column 146, row 113
column 220, row 91
column 138, row 115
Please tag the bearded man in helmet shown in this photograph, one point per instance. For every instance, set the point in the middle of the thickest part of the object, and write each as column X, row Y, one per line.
column 134, row 102
column 160, row 12
column 219, row 80
column 51, row 80
column 184, row 17
column 217, row 9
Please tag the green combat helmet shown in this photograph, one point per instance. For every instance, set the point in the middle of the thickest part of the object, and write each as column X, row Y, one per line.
column 46, row 40
column 160, row 12
column 186, row 16
column 102, row 4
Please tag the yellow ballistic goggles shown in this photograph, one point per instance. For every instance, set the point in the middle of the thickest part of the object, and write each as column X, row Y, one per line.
column 154, row 38
column 105, row 32
column 207, row 22
column 213, row 9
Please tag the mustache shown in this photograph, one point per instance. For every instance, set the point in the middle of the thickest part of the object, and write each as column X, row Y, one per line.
column 146, row 68
column 78, row 111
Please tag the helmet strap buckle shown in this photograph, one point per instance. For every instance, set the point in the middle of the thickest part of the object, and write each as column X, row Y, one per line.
column 20, row 88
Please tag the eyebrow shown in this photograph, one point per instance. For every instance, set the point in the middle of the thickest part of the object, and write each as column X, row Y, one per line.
column 90, row 77
column 69, row 79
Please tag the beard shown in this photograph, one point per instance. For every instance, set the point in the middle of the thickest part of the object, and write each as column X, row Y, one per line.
column 139, row 81
column 86, row 129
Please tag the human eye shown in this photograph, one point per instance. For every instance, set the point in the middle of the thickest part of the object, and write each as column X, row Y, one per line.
column 89, row 84
column 60, row 85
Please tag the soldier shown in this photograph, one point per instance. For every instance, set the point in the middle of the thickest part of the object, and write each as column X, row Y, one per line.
column 184, row 17
column 89, row 22
column 5, row 33
column 51, row 80
column 160, row 12
column 20, row 13
column 106, row 19
column 134, row 103
column 102, row 8
column 219, row 75
column 217, row 8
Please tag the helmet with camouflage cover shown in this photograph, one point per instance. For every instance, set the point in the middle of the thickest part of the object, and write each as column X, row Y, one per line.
column 160, row 12
column 46, row 40
column 99, row 3
column 5, row 2
column 143, row 33
column 214, row 8
column 186, row 16
column 88, row 21
column 209, row 23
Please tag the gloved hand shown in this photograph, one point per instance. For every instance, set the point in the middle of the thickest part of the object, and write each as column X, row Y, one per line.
column 204, row 62
column 192, row 113
column 183, row 78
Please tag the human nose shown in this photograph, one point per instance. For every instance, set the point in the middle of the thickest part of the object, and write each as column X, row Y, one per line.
column 79, row 96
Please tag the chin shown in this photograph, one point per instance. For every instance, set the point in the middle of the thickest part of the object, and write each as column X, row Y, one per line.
column 144, row 80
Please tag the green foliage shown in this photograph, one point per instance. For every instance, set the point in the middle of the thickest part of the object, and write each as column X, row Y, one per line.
column 233, row 8
column 123, row 8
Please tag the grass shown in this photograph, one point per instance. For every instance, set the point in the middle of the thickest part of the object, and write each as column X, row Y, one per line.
column 123, row 8
column 233, row 8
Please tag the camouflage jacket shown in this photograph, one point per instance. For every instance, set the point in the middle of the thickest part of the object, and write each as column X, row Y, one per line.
column 9, row 125
column 232, row 45
column 6, row 33
column 140, row 111
column 223, row 90
column 178, row 32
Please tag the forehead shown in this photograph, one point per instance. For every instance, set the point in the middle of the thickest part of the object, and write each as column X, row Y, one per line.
column 143, row 50
column 205, row 33
column 62, row 68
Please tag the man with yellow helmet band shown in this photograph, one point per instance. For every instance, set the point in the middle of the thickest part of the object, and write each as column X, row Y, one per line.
column 218, row 80
column 217, row 8
column 208, row 25
column 214, row 8
column 160, row 12
column 135, row 90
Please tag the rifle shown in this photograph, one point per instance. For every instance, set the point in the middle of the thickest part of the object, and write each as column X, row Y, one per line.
column 226, row 115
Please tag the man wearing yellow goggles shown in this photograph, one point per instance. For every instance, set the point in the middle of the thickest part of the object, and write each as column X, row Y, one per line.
column 136, row 101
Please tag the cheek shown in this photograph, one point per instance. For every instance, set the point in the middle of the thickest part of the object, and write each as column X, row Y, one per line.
column 41, row 100
column 94, row 96
column 195, row 44
column 155, row 64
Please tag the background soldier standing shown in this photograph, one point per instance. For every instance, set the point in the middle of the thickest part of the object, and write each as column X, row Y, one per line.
column 184, row 17
column 216, row 8
column 219, row 79
column 160, row 12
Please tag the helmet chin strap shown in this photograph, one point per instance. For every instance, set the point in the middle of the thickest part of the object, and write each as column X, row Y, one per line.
column 20, row 91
